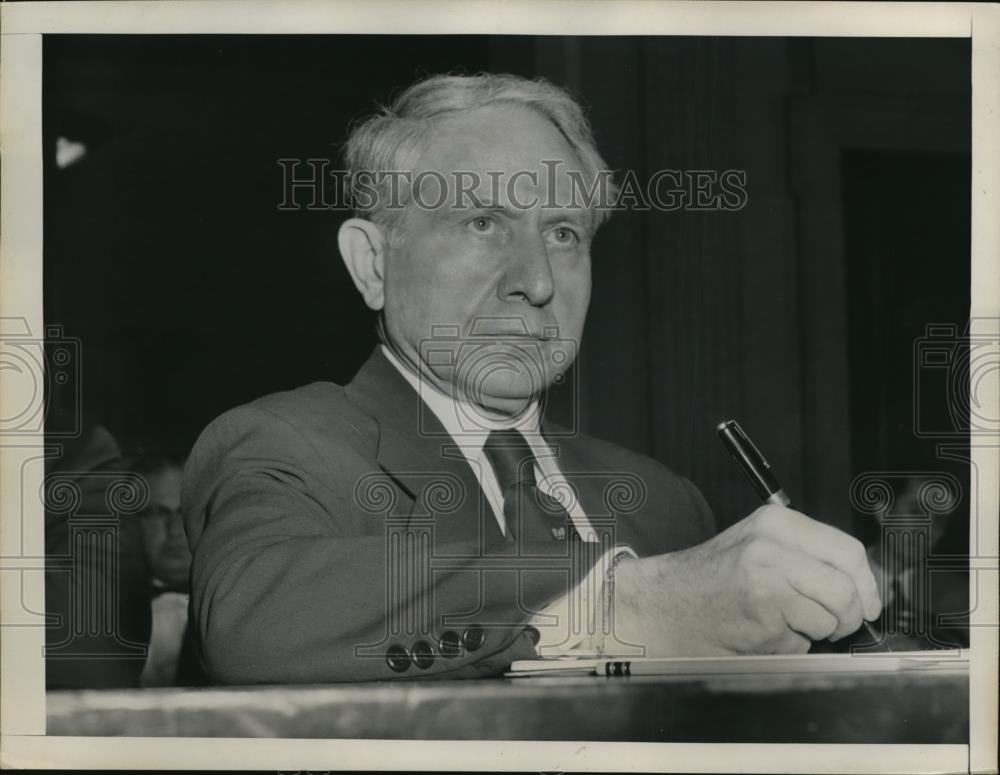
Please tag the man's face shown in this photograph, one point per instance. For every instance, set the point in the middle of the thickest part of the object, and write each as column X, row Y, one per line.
column 492, row 299
column 163, row 536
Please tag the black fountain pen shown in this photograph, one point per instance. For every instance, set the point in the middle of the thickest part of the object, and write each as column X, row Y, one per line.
column 751, row 463
column 755, row 468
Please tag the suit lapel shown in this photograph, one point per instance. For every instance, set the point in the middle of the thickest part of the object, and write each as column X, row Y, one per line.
column 381, row 392
column 416, row 452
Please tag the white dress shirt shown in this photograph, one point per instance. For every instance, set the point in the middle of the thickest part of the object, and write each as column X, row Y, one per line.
column 472, row 442
column 559, row 634
column 170, row 617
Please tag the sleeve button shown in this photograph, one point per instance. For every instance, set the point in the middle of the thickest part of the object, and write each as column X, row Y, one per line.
column 397, row 658
column 473, row 638
column 450, row 645
column 422, row 654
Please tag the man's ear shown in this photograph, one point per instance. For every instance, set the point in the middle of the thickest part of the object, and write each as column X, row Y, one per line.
column 362, row 246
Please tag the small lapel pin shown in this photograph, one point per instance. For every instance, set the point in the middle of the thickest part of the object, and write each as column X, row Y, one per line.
column 559, row 533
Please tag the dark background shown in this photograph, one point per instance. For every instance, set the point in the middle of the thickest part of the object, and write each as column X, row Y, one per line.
column 166, row 254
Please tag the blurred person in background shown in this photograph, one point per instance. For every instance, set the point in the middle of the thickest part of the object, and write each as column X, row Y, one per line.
column 92, row 555
column 168, row 562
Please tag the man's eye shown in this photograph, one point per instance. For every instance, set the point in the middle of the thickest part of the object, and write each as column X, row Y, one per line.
column 481, row 224
column 564, row 237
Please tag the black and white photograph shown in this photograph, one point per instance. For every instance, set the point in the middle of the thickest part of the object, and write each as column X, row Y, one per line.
column 547, row 387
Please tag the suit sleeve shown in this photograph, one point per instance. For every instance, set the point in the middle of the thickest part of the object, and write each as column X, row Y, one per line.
column 288, row 587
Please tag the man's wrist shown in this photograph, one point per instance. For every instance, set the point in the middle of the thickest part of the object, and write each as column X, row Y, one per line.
column 614, row 558
column 620, row 555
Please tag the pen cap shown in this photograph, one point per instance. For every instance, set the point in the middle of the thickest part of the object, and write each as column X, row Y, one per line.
column 749, row 460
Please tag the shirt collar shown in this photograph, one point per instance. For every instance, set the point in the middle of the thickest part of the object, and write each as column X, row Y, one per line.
column 466, row 424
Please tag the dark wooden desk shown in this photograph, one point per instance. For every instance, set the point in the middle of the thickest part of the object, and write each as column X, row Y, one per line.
column 925, row 706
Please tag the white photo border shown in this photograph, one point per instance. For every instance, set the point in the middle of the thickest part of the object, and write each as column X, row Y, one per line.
column 22, row 688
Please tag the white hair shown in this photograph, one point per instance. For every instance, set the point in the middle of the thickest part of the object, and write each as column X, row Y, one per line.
column 390, row 139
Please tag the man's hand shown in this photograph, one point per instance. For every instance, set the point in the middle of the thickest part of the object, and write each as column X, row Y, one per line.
column 770, row 584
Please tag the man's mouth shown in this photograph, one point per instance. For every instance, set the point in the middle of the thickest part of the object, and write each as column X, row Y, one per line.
column 520, row 336
column 515, row 328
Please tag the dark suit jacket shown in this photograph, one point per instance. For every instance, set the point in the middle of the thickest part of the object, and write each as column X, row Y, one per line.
column 336, row 537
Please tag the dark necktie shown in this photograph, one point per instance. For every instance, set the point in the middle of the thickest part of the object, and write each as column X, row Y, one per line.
column 533, row 518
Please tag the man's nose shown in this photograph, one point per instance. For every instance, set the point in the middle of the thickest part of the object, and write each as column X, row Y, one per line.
column 175, row 525
column 529, row 273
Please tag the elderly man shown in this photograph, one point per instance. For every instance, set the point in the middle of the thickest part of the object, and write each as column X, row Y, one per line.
column 425, row 520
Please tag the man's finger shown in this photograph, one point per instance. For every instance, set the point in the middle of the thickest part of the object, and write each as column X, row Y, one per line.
column 792, row 643
column 807, row 617
column 828, row 544
column 828, row 587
